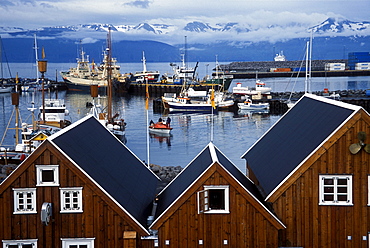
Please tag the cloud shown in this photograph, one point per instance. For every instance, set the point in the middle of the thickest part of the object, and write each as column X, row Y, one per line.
column 139, row 4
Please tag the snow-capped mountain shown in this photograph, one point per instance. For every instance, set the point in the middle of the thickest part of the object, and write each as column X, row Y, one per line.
column 333, row 39
column 330, row 26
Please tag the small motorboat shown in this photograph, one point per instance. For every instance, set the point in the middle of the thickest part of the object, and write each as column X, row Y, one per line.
column 160, row 128
column 248, row 104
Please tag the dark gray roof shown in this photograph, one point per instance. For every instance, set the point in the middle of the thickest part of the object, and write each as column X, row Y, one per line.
column 207, row 157
column 297, row 134
column 110, row 164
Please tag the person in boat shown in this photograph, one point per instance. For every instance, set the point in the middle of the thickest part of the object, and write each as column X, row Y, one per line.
column 151, row 123
column 160, row 119
column 168, row 121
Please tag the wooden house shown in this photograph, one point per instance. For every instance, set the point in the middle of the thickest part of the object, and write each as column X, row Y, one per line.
column 211, row 203
column 313, row 166
column 81, row 188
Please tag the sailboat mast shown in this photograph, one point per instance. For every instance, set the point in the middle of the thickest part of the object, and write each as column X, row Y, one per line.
column 36, row 57
column 109, row 75
column 310, row 67
column 307, row 70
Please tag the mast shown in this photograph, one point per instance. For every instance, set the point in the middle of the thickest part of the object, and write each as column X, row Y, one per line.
column 36, row 57
column 310, row 67
column 144, row 62
column 109, row 75
column 307, row 70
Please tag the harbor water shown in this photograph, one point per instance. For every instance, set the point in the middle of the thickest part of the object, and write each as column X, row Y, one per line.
column 232, row 132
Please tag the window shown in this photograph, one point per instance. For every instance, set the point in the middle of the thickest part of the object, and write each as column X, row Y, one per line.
column 214, row 199
column 28, row 243
column 335, row 190
column 71, row 200
column 25, row 201
column 47, row 175
column 78, row 243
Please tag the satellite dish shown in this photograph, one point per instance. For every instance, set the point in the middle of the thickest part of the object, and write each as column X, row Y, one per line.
column 356, row 147
column 46, row 213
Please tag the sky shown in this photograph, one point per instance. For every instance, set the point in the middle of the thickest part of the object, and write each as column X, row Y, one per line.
column 33, row 14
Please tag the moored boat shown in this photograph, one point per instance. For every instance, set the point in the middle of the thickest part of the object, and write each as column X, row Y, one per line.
column 111, row 122
column 191, row 100
column 80, row 78
column 260, row 88
column 248, row 104
column 4, row 89
column 145, row 75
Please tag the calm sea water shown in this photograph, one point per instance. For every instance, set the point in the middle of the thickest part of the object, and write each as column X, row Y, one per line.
column 233, row 133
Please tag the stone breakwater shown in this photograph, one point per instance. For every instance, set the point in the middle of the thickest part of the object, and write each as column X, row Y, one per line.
column 166, row 173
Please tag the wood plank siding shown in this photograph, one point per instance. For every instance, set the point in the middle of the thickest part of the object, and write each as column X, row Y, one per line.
column 296, row 202
column 101, row 218
column 245, row 226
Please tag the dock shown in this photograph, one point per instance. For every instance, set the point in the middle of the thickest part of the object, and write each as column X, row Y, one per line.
column 295, row 68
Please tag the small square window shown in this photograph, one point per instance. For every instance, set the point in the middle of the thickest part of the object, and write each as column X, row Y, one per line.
column 214, row 199
column 47, row 175
column 78, row 243
column 25, row 201
column 335, row 190
column 71, row 200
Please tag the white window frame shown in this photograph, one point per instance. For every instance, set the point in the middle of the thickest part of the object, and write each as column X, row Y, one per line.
column 17, row 192
column 20, row 243
column 335, row 192
column 63, row 198
column 203, row 200
column 66, row 242
column 54, row 168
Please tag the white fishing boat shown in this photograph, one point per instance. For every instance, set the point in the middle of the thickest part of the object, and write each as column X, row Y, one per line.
column 248, row 104
column 191, row 100
column 80, row 78
column 260, row 88
column 4, row 89
column 145, row 75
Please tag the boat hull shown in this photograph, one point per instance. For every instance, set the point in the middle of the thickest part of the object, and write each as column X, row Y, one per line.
column 259, row 106
column 199, row 107
column 160, row 130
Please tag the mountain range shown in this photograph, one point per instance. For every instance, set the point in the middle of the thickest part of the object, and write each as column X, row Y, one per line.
column 333, row 39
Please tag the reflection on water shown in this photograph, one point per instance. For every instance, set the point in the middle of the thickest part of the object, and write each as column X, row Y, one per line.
column 162, row 139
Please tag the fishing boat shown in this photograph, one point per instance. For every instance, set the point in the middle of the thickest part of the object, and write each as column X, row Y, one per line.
column 145, row 75
column 160, row 127
column 220, row 78
column 181, row 74
column 248, row 104
column 260, row 88
column 80, row 78
column 105, row 115
column 4, row 89
column 190, row 100
column 13, row 155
